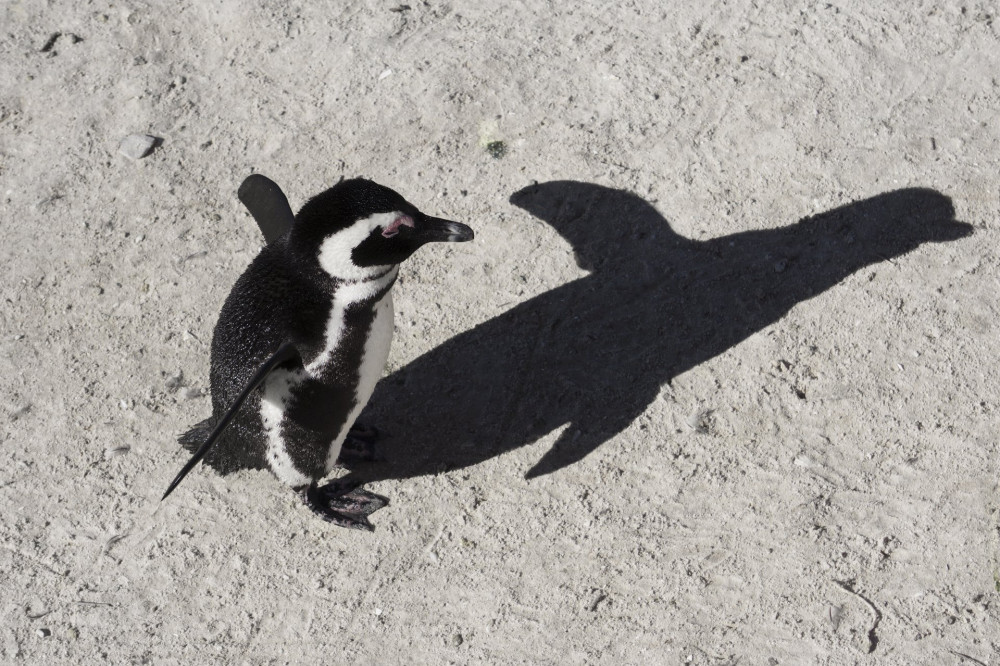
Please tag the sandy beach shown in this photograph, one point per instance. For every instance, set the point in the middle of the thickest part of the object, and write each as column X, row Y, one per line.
column 716, row 383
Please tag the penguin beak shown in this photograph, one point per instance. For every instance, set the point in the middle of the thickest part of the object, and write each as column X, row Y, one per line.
column 434, row 229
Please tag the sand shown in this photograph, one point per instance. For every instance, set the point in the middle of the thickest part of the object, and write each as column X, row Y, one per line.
column 716, row 382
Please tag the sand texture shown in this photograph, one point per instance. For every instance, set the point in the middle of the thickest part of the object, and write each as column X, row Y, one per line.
column 715, row 384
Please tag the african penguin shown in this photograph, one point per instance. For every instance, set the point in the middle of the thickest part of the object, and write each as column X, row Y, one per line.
column 303, row 338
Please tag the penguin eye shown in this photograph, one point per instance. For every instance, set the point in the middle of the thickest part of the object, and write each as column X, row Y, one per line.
column 393, row 229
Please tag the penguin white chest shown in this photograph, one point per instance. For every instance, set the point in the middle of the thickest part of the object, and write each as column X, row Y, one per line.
column 373, row 358
column 377, row 347
column 280, row 387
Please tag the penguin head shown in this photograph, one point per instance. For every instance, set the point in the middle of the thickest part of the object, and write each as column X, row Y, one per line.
column 358, row 229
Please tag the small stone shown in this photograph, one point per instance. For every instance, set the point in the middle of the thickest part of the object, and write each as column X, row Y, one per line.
column 457, row 639
column 19, row 412
column 72, row 633
column 175, row 382
column 596, row 601
column 803, row 460
column 137, row 146
column 702, row 421
column 496, row 149
column 110, row 543
column 50, row 42
column 44, row 632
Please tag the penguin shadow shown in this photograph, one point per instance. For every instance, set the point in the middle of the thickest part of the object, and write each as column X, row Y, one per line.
column 594, row 353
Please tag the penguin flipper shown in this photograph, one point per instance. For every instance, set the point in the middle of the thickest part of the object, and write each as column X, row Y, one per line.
column 268, row 205
column 286, row 352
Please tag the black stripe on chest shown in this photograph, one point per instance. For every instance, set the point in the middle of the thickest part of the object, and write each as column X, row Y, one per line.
column 321, row 403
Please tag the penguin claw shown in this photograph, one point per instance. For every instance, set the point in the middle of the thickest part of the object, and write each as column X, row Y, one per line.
column 343, row 504
column 359, row 446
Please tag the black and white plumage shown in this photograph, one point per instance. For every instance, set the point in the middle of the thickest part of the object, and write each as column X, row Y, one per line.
column 304, row 335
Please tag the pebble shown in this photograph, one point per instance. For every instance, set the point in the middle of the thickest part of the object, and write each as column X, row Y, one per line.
column 19, row 412
column 188, row 393
column 175, row 382
column 44, row 632
column 496, row 149
column 137, row 146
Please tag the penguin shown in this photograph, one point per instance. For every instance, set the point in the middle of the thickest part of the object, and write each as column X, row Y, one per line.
column 303, row 338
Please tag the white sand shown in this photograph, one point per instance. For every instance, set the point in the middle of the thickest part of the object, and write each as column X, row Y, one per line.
column 817, row 488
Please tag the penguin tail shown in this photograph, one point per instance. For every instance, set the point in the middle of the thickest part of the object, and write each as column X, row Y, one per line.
column 197, row 435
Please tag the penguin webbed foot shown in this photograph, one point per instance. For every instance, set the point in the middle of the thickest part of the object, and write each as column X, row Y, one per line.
column 360, row 446
column 342, row 503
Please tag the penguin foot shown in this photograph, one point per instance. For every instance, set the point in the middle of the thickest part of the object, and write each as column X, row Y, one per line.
column 343, row 504
column 359, row 447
